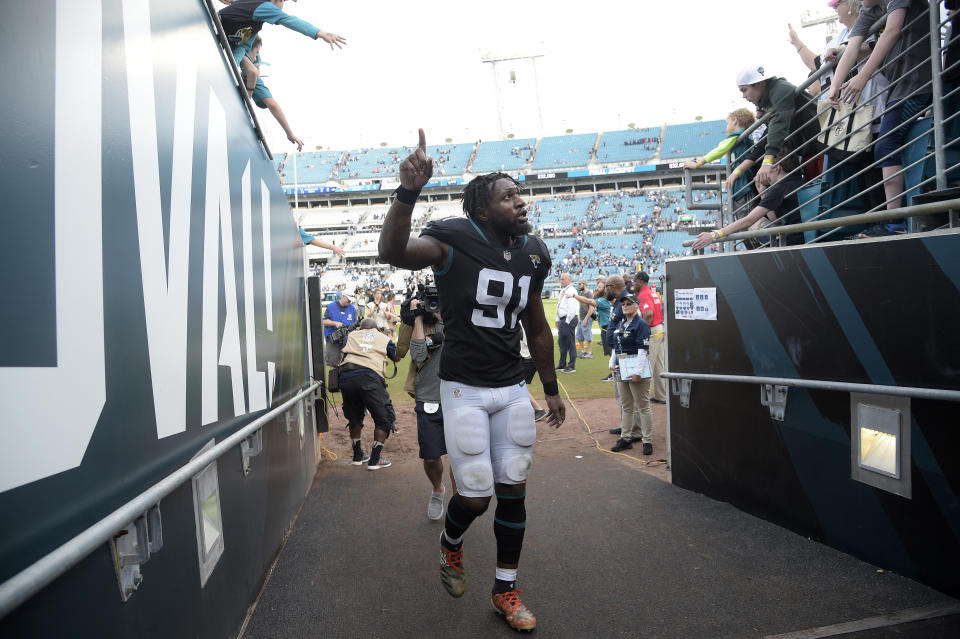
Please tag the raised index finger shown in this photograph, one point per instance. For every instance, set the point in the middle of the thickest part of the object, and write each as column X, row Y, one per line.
column 422, row 144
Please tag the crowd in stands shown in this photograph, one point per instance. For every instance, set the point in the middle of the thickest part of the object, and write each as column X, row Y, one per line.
column 844, row 144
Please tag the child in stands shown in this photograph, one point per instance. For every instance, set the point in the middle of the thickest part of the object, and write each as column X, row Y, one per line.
column 739, row 183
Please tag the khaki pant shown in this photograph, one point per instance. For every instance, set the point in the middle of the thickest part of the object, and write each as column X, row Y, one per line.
column 635, row 400
column 658, row 343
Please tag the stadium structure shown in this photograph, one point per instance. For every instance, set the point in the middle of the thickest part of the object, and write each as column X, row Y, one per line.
column 162, row 364
column 603, row 202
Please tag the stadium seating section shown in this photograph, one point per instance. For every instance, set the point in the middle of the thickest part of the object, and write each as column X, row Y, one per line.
column 628, row 145
column 564, row 151
column 691, row 140
column 309, row 167
column 507, row 155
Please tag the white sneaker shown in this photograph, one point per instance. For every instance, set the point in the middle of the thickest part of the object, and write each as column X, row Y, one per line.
column 435, row 505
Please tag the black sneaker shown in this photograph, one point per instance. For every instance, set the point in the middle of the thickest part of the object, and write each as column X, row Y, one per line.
column 608, row 378
column 654, row 400
column 622, row 444
column 569, row 370
column 616, row 431
column 560, row 367
column 377, row 462
column 359, row 457
column 539, row 415
column 634, row 440
column 648, row 449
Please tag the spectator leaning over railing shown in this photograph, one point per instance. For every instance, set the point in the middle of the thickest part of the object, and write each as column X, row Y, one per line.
column 793, row 125
column 847, row 12
column 775, row 200
column 902, row 52
column 314, row 241
column 740, row 179
column 243, row 19
column 260, row 94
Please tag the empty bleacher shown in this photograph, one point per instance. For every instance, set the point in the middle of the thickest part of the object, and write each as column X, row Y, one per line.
column 627, row 145
column 507, row 155
column 310, row 167
column 449, row 159
column 332, row 218
column 564, row 151
column 691, row 140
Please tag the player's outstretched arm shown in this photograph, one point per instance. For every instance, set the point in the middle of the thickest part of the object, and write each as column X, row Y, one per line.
column 396, row 245
column 540, row 342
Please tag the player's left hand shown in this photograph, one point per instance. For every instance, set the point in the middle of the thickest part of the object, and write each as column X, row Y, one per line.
column 417, row 169
column 296, row 140
column 556, row 411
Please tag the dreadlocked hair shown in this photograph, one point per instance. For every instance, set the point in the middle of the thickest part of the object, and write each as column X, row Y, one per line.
column 479, row 190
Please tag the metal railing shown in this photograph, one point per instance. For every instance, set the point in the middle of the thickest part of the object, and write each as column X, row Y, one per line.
column 42, row 572
column 227, row 52
column 824, row 384
column 845, row 183
column 929, row 208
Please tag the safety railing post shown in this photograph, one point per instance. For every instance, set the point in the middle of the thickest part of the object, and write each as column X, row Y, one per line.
column 936, row 72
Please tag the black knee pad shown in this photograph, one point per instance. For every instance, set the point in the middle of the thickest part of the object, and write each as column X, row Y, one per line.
column 509, row 523
column 459, row 516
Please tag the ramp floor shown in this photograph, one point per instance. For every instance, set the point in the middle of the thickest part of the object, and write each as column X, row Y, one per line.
column 609, row 552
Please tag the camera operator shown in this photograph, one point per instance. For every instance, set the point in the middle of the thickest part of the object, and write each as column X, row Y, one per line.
column 338, row 315
column 364, row 387
column 422, row 333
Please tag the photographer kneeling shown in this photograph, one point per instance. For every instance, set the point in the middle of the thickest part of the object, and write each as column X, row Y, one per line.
column 422, row 332
column 364, row 387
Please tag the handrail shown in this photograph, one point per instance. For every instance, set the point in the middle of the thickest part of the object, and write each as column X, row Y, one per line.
column 847, row 220
column 39, row 574
column 227, row 52
column 823, row 384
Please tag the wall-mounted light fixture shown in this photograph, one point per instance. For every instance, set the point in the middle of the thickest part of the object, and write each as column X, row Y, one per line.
column 880, row 442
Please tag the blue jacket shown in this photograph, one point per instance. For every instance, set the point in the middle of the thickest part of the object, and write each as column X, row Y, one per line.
column 630, row 337
column 616, row 316
column 346, row 316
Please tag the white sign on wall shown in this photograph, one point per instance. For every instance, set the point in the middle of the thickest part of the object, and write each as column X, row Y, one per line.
column 695, row 303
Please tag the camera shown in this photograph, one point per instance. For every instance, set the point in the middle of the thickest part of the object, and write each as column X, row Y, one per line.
column 429, row 300
column 429, row 303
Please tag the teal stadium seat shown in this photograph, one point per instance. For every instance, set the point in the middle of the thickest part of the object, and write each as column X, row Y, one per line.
column 612, row 146
column 691, row 140
column 564, row 151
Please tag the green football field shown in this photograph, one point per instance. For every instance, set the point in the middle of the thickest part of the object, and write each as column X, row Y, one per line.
column 583, row 384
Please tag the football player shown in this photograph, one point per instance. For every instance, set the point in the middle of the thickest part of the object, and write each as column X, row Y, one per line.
column 489, row 272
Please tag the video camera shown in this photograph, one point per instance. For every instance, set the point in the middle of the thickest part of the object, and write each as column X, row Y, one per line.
column 429, row 303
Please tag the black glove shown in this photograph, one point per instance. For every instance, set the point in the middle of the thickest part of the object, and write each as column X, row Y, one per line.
column 406, row 316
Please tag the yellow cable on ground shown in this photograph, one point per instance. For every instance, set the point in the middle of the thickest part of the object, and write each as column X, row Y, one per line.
column 596, row 441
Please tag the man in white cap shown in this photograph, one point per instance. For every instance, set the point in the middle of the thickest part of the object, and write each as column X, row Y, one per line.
column 793, row 122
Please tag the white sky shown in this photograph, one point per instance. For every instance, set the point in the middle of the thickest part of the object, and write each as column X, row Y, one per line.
column 606, row 63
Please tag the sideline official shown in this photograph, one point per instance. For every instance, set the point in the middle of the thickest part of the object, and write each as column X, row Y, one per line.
column 364, row 387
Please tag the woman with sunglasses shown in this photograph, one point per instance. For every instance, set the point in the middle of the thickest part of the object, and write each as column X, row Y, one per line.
column 632, row 372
